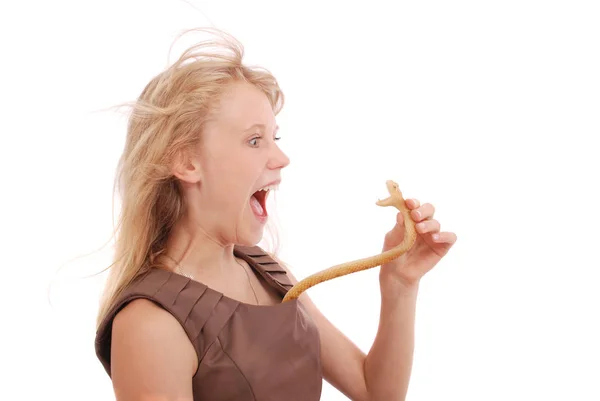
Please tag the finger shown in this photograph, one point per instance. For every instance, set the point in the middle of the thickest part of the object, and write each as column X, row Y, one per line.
column 412, row 203
column 444, row 237
column 423, row 212
column 399, row 218
column 396, row 234
column 428, row 226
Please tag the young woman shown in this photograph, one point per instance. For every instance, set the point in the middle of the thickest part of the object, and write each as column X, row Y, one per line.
column 192, row 307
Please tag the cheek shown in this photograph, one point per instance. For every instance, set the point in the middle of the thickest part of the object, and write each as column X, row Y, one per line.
column 233, row 175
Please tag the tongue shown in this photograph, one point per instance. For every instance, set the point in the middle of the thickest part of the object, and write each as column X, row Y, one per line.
column 256, row 207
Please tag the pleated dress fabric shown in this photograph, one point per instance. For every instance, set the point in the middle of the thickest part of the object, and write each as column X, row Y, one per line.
column 246, row 352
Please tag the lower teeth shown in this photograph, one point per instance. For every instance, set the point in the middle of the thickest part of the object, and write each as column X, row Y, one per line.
column 257, row 206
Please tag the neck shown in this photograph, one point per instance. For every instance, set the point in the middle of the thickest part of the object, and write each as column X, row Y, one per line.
column 197, row 251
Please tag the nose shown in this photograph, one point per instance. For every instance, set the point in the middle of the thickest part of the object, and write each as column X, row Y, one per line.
column 278, row 158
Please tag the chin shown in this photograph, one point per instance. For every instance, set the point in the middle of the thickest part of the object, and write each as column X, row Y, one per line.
column 250, row 238
column 251, row 232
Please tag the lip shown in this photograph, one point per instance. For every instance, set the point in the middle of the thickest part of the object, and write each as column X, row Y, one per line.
column 276, row 182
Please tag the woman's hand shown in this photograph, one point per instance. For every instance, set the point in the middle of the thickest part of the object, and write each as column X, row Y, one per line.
column 429, row 248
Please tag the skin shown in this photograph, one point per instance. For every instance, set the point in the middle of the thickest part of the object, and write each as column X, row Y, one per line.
column 152, row 358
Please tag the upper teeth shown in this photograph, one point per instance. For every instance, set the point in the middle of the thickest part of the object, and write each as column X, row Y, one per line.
column 269, row 187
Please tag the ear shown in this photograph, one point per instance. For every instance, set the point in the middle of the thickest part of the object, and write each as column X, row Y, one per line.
column 187, row 167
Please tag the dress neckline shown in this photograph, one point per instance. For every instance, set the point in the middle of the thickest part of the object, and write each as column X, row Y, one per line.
column 239, row 252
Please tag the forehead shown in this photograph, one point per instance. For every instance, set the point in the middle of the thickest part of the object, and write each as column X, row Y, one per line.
column 243, row 106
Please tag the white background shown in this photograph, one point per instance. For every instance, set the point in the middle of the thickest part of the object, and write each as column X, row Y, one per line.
column 487, row 110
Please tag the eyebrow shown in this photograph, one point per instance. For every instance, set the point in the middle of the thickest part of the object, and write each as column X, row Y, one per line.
column 260, row 126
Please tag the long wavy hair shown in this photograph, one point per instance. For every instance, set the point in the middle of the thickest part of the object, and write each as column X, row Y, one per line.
column 168, row 118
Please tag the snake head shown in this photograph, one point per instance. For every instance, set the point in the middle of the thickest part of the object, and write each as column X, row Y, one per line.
column 393, row 188
column 395, row 194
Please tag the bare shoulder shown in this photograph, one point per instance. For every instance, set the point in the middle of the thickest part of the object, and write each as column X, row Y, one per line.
column 151, row 356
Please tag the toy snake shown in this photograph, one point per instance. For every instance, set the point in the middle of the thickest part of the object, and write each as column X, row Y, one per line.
column 410, row 235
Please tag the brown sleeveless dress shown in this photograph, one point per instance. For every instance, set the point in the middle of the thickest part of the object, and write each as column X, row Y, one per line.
column 245, row 352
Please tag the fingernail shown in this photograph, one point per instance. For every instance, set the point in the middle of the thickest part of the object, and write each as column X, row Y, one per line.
column 417, row 214
column 435, row 237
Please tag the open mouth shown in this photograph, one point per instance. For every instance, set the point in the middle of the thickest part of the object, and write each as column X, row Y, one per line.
column 258, row 202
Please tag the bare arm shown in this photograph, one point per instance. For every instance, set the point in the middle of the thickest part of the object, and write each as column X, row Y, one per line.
column 151, row 357
column 385, row 371
column 342, row 360
column 389, row 362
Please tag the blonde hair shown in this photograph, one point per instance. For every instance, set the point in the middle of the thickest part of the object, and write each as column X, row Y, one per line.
column 166, row 120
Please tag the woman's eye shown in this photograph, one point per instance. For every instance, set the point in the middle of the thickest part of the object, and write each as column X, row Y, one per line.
column 253, row 140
